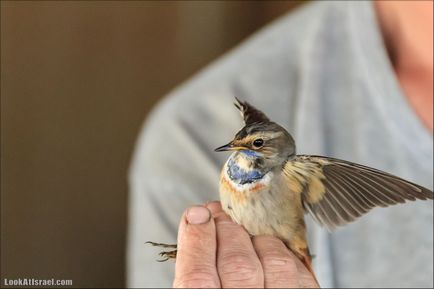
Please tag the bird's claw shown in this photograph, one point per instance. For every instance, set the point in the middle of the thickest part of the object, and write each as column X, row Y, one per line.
column 166, row 255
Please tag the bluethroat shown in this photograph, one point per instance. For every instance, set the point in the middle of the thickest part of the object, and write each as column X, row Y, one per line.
column 267, row 188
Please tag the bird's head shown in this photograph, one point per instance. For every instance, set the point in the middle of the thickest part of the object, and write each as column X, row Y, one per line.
column 261, row 138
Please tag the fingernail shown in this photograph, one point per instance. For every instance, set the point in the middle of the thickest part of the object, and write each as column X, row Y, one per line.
column 198, row 215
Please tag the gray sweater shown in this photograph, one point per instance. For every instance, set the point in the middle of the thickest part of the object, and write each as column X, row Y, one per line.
column 322, row 73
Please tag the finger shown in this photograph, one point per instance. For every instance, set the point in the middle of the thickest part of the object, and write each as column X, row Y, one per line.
column 196, row 257
column 214, row 207
column 278, row 263
column 281, row 267
column 307, row 280
column 237, row 262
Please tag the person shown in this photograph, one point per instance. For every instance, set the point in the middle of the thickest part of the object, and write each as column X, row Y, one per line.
column 351, row 80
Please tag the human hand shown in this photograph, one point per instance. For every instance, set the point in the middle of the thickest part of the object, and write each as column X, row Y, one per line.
column 214, row 252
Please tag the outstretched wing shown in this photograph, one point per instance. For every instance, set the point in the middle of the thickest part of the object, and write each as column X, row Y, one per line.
column 336, row 192
column 249, row 113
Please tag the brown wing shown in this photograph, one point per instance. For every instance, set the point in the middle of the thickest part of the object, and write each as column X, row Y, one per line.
column 249, row 113
column 336, row 192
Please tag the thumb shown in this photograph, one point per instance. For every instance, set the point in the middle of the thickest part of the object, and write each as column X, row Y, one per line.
column 197, row 245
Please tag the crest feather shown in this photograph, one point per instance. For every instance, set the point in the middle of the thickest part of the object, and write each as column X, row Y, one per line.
column 249, row 113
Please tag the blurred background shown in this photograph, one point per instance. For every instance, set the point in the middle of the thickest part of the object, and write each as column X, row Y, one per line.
column 77, row 80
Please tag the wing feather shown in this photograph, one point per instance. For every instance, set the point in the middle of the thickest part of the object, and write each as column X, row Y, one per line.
column 336, row 192
column 354, row 200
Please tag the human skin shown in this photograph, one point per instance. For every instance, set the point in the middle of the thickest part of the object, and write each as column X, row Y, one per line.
column 220, row 253
column 407, row 28
column 215, row 252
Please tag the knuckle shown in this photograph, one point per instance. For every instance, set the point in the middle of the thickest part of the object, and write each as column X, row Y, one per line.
column 196, row 279
column 280, row 269
column 279, row 263
column 239, row 267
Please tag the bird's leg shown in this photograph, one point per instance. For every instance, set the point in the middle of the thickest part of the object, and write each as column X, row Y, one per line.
column 162, row 245
column 165, row 254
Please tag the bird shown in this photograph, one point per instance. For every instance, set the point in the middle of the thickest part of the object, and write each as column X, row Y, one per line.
column 266, row 187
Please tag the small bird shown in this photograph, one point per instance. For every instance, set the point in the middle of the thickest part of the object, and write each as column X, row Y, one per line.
column 267, row 188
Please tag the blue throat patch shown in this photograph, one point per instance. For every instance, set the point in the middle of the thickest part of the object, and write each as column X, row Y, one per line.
column 242, row 176
column 250, row 153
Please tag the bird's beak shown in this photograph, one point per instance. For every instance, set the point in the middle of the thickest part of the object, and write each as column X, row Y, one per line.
column 229, row 147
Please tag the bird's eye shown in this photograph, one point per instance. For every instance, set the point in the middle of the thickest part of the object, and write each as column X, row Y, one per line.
column 259, row 142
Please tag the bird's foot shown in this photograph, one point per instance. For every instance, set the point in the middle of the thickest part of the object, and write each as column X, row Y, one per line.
column 166, row 255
